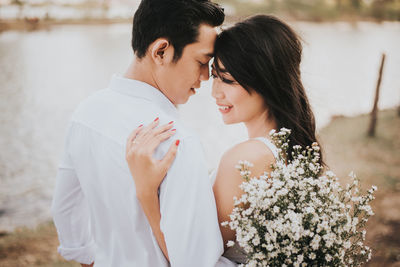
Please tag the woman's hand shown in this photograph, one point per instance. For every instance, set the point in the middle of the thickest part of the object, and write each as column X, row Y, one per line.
column 146, row 171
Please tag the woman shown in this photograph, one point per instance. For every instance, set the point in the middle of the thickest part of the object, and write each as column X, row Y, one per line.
column 257, row 81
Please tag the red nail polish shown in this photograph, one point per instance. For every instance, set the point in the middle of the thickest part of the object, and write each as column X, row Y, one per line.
column 171, row 122
column 173, row 130
column 156, row 119
column 177, row 142
column 140, row 125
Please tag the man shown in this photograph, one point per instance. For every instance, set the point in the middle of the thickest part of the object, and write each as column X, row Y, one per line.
column 97, row 214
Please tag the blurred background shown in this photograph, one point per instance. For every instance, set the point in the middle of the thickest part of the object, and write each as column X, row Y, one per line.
column 55, row 53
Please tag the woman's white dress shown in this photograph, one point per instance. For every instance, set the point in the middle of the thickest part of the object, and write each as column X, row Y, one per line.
column 236, row 253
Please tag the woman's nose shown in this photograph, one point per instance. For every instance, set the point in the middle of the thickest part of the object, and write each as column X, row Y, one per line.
column 216, row 90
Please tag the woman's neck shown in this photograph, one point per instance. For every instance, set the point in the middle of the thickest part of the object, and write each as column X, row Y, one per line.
column 260, row 126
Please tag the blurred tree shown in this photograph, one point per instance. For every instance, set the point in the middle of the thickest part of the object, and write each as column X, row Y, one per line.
column 105, row 7
column 20, row 4
column 339, row 5
column 386, row 9
column 356, row 4
column 48, row 4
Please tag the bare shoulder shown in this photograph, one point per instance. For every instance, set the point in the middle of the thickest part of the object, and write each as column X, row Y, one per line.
column 228, row 178
column 253, row 151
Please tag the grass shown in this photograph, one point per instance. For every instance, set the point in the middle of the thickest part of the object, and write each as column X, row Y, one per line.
column 374, row 160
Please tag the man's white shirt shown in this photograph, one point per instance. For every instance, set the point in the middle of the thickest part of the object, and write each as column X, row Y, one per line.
column 95, row 209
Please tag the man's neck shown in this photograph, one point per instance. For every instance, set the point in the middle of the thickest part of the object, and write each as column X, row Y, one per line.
column 140, row 70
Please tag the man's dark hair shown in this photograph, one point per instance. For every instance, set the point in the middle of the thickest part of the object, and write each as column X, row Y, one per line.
column 176, row 20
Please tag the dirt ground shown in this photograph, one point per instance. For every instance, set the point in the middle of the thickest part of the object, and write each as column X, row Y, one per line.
column 375, row 160
column 31, row 247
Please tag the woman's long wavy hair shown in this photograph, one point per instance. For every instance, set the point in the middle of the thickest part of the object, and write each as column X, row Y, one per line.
column 263, row 54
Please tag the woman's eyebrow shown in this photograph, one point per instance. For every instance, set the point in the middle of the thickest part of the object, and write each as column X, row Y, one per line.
column 223, row 70
column 220, row 70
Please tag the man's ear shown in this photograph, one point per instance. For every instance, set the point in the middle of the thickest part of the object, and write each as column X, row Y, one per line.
column 160, row 51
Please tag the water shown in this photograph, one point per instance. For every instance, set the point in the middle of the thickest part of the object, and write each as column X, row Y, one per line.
column 45, row 74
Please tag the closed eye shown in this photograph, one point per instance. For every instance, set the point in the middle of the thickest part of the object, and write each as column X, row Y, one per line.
column 227, row 81
column 203, row 64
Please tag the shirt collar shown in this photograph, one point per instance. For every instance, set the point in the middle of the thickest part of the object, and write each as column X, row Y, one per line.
column 143, row 90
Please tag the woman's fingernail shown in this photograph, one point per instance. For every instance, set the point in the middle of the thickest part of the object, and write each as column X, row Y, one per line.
column 173, row 130
column 177, row 142
column 140, row 125
column 156, row 119
column 171, row 122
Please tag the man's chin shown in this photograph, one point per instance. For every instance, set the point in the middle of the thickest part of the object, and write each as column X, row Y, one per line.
column 182, row 101
column 187, row 97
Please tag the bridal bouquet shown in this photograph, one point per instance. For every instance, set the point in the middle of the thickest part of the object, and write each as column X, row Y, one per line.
column 298, row 216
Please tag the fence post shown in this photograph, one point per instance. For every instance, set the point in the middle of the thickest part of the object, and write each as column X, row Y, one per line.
column 372, row 125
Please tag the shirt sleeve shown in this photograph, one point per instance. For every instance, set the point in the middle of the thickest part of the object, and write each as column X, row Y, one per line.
column 71, row 213
column 188, row 210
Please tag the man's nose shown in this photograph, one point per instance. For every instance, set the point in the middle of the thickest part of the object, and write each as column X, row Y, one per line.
column 205, row 73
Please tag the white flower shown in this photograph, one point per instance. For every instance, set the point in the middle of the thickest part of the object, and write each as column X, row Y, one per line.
column 256, row 241
column 270, row 247
column 276, row 209
column 300, row 259
column 328, row 258
column 230, row 244
column 309, row 210
column 330, row 174
column 315, row 242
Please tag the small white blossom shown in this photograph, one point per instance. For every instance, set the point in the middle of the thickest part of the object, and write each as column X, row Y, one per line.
column 276, row 209
column 230, row 243
column 328, row 258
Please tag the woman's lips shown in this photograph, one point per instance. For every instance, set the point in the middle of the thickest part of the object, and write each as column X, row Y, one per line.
column 224, row 109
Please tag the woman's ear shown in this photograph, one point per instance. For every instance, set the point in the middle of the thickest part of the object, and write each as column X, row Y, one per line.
column 159, row 51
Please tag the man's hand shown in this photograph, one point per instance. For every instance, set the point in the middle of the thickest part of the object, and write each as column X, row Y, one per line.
column 85, row 265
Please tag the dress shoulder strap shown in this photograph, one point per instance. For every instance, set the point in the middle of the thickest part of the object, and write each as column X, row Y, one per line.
column 269, row 144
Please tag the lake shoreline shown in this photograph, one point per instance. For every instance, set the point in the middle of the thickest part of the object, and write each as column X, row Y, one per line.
column 32, row 24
